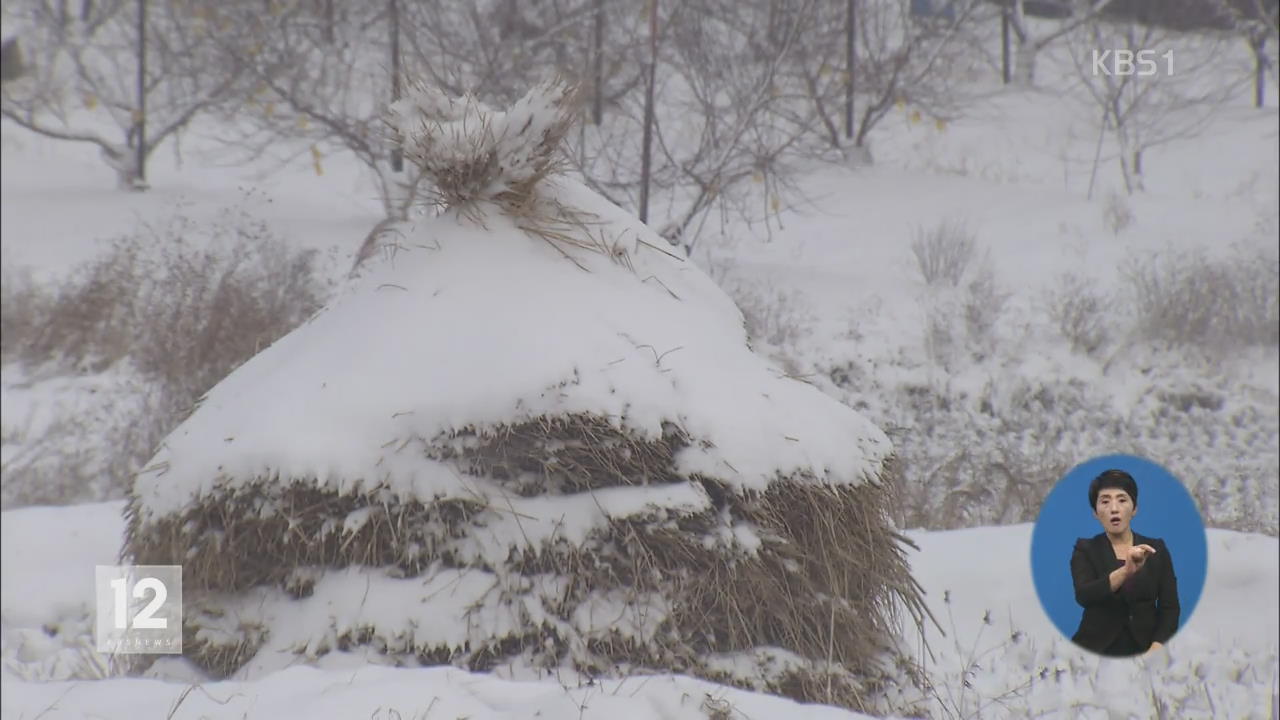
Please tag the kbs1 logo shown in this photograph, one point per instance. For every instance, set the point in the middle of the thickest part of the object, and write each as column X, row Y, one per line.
column 1122, row 63
column 138, row 609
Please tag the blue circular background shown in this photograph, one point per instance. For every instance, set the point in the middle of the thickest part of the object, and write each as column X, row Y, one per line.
column 1165, row 510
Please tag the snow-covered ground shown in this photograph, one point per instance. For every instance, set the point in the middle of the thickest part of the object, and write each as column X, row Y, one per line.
column 1000, row 656
column 835, row 287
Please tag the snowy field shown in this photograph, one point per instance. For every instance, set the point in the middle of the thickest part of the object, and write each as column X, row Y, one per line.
column 1000, row 656
column 834, row 295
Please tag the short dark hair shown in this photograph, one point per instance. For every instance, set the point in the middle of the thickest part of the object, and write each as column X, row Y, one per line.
column 1117, row 479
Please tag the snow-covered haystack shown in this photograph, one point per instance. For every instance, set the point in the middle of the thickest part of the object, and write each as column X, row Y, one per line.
column 527, row 434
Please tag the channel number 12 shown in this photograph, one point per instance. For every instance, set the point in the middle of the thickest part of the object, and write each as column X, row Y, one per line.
column 143, row 620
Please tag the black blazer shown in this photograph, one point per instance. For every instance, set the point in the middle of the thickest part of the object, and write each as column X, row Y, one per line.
column 1150, row 607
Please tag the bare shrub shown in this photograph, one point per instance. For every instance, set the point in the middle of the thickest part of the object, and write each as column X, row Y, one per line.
column 965, row 317
column 95, row 433
column 23, row 303
column 943, row 252
column 988, row 459
column 773, row 315
column 1194, row 299
column 180, row 306
column 1116, row 213
column 939, row 340
column 1077, row 308
column 982, row 304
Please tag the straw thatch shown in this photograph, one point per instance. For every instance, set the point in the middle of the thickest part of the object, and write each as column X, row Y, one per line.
column 805, row 578
column 472, row 154
column 826, row 583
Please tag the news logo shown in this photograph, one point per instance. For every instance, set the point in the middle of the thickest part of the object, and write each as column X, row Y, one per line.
column 1121, row 63
column 138, row 609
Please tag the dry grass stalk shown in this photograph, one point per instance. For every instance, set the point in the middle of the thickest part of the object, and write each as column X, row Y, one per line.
column 476, row 158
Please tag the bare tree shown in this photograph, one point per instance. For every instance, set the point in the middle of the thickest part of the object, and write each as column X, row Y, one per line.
column 498, row 48
column 1258, row 22
column 147, row 69
column 731, row 117
column 745, row 89
column 323, row 77
column 1030, row 44
column 912, row 61
column 1173, row 98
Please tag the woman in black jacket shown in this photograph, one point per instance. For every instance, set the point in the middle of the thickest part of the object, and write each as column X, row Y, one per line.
column 1124, row 581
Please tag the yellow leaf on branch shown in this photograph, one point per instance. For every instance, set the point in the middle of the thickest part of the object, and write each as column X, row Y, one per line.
column 915, row 117
column 940, row 124
column 315, row 160
column 90, row 102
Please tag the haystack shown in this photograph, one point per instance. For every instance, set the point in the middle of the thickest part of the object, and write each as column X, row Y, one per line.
column 528, row 436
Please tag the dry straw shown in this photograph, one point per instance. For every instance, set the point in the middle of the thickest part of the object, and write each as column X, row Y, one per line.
column 828, row 583
column 827, row 580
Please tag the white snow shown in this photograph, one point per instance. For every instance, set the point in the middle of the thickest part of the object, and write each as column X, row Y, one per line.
column 474, row 326
column 382, row 693
column 1014, row 168
column 1228, row 649
column 39, row 544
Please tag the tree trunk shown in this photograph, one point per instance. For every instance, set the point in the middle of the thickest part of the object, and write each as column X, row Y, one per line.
column 1024, row 64
column 1258, row 43
column 849, row 61
column 397, row 152
column 1005, row 44
column 139, row 179
column 645, row 159
column 597, row 62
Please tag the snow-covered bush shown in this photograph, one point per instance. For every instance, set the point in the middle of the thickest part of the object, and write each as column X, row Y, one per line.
column 76, row 438
column 944, row 252
column 149, row 326
column 1002, row 670
column 982, row 304
column 1014, row 439
column 23, row 305
column 962, row 319
column 1116, row 213
column 1078, row 309
column 1212, row 302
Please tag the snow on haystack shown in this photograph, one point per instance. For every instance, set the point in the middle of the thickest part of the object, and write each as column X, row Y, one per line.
column 527, row 434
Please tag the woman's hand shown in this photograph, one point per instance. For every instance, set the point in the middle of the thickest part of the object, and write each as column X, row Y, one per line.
column 1137, row 557
column 1154, row 647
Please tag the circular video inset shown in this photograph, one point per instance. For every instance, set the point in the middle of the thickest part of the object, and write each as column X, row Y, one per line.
column 1119, row 555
